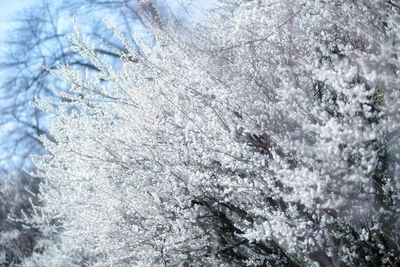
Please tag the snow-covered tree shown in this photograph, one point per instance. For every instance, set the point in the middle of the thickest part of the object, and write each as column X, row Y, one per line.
column 266, row 135
column 18, row 197
column 36, row 38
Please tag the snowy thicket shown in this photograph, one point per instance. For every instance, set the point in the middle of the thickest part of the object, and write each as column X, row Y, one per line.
column 18, row 196
column 267, row 135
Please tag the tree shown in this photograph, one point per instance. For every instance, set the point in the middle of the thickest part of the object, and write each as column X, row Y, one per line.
column 39, row 40
column 17, row 195
column 267, row 136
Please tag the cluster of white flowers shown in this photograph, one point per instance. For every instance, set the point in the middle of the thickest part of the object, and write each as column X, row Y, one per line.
column 265, row 137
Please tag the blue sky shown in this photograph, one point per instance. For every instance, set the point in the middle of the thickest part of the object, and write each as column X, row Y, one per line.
column 8, row 9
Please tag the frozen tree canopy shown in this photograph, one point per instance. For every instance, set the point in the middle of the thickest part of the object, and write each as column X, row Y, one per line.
column 266, row 135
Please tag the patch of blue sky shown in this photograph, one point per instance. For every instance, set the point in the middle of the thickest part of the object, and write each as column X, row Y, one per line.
column 8, row 11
